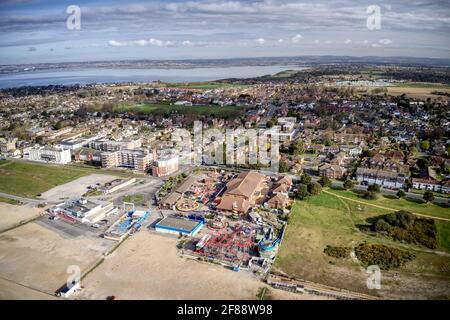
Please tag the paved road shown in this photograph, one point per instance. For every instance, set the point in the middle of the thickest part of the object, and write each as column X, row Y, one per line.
column 33, row 202
column 411, row 195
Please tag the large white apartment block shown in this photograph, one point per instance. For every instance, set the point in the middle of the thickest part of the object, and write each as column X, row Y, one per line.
column 7, row 145
column 138, row 159
column 165, row 165
column 112, row 145
column 47, row 154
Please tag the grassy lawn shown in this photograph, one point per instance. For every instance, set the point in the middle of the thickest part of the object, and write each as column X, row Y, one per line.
column 134, row 198
column 29, row 179
column 205, row 85
column 399, row 204
column 327, row 220
column 9, row 201
column 205, row 110
column 422, row 85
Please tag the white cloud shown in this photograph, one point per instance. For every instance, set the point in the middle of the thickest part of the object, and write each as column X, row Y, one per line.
column 156, row 42
column 260, row 41
column 114, row 43
column 348, row 41
column 187, row 43
column 297, row 38
column 316, row 41
column 385, row 41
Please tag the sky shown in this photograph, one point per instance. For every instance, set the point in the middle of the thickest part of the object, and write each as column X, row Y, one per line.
column 36, row 31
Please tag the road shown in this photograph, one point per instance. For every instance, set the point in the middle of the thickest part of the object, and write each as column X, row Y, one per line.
column 389, row 192
column 32, row 202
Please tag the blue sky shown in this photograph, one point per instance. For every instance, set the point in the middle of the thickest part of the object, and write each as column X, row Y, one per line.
column 35, row 31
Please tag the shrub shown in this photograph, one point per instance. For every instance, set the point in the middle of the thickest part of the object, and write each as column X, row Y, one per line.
column 373, row 188
column 348, row 184
column 403, row 226
column 383, row 256
column 337, row 252
column 401, row 193
column 305, row 179
column 314, row 189
column 428, row 196
column 302, row 192
column 369, row 195
column 325, row 182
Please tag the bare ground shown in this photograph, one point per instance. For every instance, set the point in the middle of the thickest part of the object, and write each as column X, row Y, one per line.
column 11, row 215
column 37, row 257
column 147, row 266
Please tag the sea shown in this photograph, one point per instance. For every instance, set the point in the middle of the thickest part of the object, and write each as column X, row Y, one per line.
column 105, row 75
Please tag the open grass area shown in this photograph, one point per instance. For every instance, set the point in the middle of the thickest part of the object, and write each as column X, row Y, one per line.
column 9, row 201
column 166, row 109
column 28, row 179
column 205, row 85
column 399, row 204
column 420, row 90
column 134, row 198
column 422, row 85
column 327, row 220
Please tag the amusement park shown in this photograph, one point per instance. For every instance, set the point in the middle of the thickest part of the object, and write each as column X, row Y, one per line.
column 233, row 219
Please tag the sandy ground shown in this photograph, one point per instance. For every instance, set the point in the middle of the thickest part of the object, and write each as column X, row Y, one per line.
column 34, row 256
column 11, row 215
column 13, row 291
column 146, row 266
column 75, row 188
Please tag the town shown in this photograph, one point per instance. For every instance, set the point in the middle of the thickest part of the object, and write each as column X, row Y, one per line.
column 99, row 164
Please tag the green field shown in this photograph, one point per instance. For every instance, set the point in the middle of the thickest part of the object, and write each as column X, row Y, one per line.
column 327, row 220
column 135, row 198
column 422, row 85
column 399, row 204
column 205, row 85
column 29, row 179
column 9, row 201
column 167, row 109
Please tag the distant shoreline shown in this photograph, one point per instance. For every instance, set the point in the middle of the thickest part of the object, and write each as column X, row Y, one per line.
column 87, row 76
column 301, row 61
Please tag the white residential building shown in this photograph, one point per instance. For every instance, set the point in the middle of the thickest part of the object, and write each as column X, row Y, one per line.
column 47, row 154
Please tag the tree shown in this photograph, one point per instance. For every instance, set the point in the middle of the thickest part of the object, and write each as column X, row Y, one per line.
column 401, row 193
column 369, row 195
column 428, row 196
column 425, row 145
column 283, row 166
column 302, row 191
column 327, row 142
column 297, row 148
column 325, row 182
column 374, row 188
column 59, row 125
column 270, row 124
column 305, row 179
column 314, row 189
column 348, row 184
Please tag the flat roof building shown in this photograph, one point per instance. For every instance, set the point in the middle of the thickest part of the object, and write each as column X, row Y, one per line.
column 175, row 225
